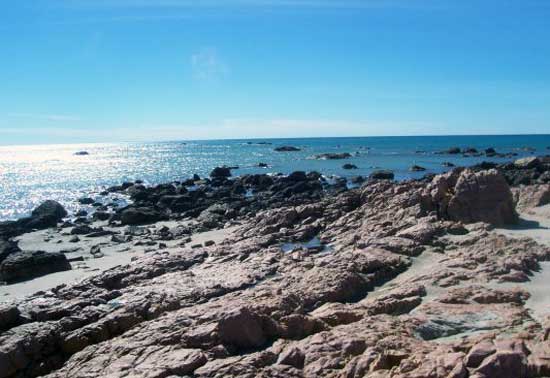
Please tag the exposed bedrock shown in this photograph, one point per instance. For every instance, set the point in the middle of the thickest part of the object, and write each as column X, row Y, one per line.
column 401, row 283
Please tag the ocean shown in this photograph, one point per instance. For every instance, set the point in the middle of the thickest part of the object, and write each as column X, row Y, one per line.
column 32, row 174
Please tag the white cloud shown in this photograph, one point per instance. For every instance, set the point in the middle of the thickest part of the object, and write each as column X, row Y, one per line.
column 46, row 117
column 207, row 65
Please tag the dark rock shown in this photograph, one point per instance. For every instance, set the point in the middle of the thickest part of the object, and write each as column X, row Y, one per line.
column 297, row 176
column 286, row 149
column 9, row 316
column 139, row 215
column 86, row 201
column 50, row 209
column 101, row 215
column 81, row 213
column 25, row 265
column 81, row 153
column 82, row 230
column 220, row 172
column 382, row 175
column 417, row 168
column 349, row 166
column 452, row 151
column 527, row 162
column 262, row 165
column 7, row 248
column 447, row 164
column 332, row 156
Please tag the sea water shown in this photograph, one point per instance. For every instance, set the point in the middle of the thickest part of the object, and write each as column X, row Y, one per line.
column 32, row 174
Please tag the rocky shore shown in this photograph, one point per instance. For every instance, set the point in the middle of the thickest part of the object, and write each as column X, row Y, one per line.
column 286, row 276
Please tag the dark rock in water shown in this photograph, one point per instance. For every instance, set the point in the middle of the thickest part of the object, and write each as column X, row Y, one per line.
column 469, row 150
column 220, row 172
column 51, row 209
column 382, row 175
column 527, row 162
column 332, row 156
column 452, row 151
column 7, row 247
column 469, row 196
column 24, row 265
column 447, row 164
column 490, row 151
column 349, row 166
column 86, row 201
column 139, row 215
column 262, row 165
column 81, row 153
column 287, row 149
column 417, row 168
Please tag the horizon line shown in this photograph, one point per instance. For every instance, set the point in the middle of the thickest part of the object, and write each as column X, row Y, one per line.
column 271, row 138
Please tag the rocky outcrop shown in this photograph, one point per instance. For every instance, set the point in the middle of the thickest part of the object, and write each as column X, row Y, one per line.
column 47, row 215
column 467, row 196
column 28, row 264
column 376, row 283
column 531, row 196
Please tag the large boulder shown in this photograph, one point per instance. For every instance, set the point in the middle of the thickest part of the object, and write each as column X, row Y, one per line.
column 220, row 172
column 468, row 196
column 7, row 248
column 50, row 209
column 527, row 162
column 139, row 215
column 25, row 265
column 47, row 215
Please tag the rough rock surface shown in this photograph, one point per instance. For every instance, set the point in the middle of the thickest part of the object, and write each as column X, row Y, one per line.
column 24, row 265
column 360, row 301
column 468, row 196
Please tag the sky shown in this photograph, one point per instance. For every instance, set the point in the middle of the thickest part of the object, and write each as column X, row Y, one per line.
column 74, row 71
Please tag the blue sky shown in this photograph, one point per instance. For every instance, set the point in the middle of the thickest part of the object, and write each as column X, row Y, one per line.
column 124, row 70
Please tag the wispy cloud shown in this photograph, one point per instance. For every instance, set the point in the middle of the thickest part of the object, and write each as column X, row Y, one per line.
column 207, row 65
column 46, row 117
